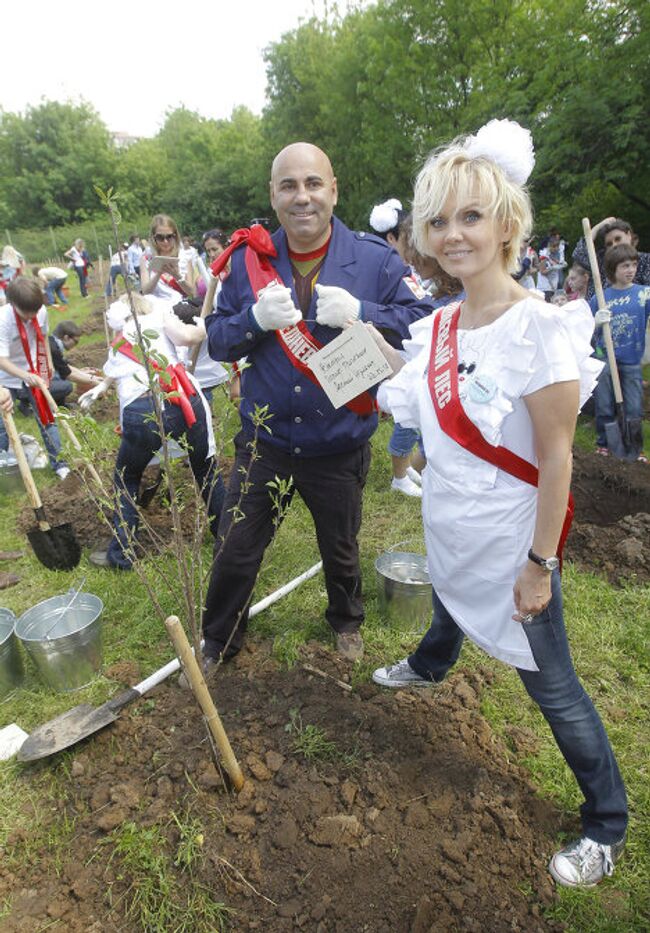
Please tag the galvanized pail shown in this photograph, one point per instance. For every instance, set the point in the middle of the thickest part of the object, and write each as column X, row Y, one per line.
column 63, row 639
column 10, row 478
column 11, row 665
column 404, row 589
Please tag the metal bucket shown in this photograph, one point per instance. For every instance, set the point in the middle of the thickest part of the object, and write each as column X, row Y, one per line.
column 10, row 478
column 404, row 589
column 11, row 665
column 64, row 641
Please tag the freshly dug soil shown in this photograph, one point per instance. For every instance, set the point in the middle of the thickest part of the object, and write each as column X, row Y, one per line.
column 610, row 533
column 411, row 819
column 611, row 529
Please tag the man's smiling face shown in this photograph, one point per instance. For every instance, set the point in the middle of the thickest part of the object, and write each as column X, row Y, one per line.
column 303, row 195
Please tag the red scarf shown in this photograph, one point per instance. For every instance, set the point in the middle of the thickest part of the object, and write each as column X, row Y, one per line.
column 452, row 418
column 42, row 368
column 173, row 380
column 297, row 341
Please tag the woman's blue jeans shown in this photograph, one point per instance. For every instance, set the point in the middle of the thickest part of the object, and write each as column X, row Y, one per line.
column 140, row 440
column 81, row 274
column 555, row 687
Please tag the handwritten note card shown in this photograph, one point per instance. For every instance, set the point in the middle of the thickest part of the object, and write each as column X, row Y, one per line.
column 349, row 365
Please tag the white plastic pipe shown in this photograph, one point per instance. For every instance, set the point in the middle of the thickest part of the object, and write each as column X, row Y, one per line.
column 164, row 672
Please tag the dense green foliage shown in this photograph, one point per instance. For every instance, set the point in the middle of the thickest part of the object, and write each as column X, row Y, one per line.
column 377, row 89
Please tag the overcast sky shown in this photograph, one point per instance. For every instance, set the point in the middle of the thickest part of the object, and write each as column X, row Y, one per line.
column 134, row 60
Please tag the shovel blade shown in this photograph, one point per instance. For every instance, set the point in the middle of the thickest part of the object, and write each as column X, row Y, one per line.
column 57, row 548
column 633, row 437
column 66, row 730
column 624, row 443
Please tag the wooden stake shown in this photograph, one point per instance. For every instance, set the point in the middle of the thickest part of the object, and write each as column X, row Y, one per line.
column 197, row 681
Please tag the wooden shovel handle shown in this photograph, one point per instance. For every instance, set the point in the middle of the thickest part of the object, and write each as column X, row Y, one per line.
column 602, row 305
column 23, row 465
column 208, row 301
column 195, row 676
column 74, row 440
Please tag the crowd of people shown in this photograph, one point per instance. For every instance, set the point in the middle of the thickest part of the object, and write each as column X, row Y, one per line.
column 493, row 347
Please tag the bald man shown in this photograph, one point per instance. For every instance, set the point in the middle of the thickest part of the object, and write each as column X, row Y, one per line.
column 325, row 276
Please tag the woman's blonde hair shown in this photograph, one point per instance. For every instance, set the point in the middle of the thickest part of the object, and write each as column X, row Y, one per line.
column 163, row 220
column 453, row 171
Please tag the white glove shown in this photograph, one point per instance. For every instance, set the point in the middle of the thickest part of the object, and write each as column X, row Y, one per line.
column 335, row 307
column 275, row 309
column 87, row 399
column 603, row 316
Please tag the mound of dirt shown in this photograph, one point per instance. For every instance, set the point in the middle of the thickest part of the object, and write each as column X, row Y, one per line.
column 611, row 529
column 406, row 816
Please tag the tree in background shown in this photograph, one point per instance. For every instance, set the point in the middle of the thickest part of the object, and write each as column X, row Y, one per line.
column 381, row 87
column 50, row 157
column 376, row 89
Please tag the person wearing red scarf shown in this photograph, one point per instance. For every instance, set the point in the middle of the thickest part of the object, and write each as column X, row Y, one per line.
column 25, row 361
column 286, row 295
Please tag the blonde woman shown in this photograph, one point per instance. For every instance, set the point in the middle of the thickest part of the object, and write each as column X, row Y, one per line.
column 494, row 384
column 159, row 273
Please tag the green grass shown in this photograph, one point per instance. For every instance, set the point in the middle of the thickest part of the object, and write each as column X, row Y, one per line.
column 157, row 896
column 609, row 630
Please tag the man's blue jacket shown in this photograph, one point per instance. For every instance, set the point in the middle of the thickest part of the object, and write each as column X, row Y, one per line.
column 304, row 422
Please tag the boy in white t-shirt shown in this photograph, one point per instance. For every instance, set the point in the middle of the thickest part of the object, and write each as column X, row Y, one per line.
column 25, row 361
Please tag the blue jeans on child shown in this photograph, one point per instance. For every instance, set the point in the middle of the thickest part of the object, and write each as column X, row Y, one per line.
column 49, row 433
column 555, row 687
column 140, row 440
column 402, row 441
column 55, row 287
column 632, row 389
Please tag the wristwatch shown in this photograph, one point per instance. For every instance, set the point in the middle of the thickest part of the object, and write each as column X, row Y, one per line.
column 548, row 563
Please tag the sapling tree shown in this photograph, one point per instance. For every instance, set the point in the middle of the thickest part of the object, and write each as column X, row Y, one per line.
column 189, row 520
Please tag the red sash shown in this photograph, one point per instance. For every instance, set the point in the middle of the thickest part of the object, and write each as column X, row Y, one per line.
column 443, row 387
column 42, row 368
column 172, row 380
column 297, row 341
column 171, row 281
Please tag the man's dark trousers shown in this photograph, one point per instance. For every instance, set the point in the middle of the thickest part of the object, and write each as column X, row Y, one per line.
column 332, row 488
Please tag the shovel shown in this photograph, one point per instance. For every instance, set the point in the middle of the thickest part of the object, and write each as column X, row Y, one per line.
column 54, row 408
column 56, row 547
column 82, row 721
column 624, row 437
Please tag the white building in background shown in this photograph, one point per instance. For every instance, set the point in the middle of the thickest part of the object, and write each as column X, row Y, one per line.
column 124, row 140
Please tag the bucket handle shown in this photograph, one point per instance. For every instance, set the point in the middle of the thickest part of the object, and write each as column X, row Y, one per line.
column 75, row 592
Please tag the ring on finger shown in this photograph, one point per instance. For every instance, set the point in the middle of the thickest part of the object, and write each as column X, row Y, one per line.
column 528, row 617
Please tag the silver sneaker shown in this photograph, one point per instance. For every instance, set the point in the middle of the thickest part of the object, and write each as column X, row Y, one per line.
column 584, row 862
column 208, row 667
column 400, row 675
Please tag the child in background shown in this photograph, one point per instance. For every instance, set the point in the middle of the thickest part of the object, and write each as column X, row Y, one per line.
column 577, row 282
column 628, row 314
column 390, row 222
column 25, row 361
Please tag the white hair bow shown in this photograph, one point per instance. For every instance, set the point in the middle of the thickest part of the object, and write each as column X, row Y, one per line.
column 507, row 144
column 384, row 217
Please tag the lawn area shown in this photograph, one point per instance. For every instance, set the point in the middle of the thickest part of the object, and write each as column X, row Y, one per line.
column 609, row 630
